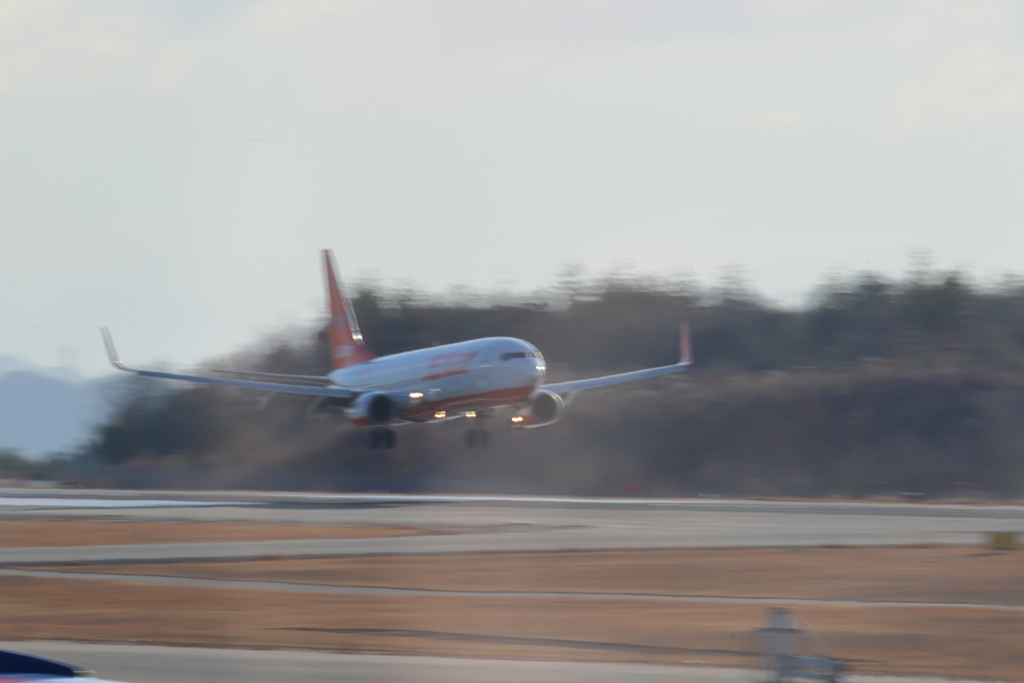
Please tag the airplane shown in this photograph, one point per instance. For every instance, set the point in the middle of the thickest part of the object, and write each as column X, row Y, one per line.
column 468, row 380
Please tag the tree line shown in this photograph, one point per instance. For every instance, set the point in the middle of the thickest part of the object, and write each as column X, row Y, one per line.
column 877, row 386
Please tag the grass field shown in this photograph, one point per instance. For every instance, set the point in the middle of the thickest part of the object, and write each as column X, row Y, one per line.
column 913, row 574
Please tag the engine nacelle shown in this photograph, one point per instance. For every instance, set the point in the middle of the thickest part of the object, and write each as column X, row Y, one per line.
column 545, row 408
column 374, row 408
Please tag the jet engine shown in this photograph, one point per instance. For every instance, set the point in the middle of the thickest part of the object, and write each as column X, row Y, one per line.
column 546, row 408
column 374, row 408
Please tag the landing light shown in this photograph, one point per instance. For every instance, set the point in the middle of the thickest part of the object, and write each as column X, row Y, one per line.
column 415, row 394
column 439, row 414
column 517, row 419
column 470, row 413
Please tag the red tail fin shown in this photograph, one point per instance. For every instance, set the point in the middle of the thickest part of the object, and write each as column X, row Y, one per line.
column 345, row 341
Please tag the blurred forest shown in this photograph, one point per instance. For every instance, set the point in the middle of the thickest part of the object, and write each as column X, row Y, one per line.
column 907, row 387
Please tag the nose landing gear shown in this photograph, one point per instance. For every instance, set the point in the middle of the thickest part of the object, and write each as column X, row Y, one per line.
column 476, row 435
column 382, row 438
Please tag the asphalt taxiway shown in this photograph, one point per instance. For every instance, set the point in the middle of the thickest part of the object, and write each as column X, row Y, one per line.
column 155, row 664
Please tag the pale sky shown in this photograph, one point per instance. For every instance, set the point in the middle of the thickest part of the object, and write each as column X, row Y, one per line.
column 171, row 168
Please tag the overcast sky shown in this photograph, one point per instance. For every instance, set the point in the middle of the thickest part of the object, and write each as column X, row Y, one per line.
column 171, row 168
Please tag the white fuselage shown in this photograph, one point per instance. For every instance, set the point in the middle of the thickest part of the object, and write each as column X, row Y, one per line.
column 455, row 378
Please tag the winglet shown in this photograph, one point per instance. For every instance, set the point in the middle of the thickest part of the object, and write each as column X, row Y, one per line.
column 115, row 360
column 685, row 354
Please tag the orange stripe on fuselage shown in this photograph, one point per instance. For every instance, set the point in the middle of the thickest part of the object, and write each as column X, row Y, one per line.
column 485, row 399
column 446, row 373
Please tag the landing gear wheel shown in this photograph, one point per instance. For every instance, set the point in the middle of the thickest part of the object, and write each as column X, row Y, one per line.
column 382, row 438
column 478, row 438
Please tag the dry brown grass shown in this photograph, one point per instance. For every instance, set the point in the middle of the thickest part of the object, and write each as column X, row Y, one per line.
column 945, row 641
column 49, row 533
column 915, row 574
column 921, row 640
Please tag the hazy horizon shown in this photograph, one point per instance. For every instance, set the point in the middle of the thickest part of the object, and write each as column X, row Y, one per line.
column 173, row 167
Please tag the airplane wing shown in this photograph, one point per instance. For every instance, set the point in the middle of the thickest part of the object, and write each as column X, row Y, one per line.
column 318, row 380
column 275, row 387
column 607, row 380
column 685, row 360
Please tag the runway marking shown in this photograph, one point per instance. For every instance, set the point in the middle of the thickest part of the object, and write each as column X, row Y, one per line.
column 526, row 595
column 710, row 502
column 110, row 503
column 109, row 499
column 519, row 640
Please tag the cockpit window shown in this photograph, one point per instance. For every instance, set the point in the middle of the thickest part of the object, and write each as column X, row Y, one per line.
column 520, row 354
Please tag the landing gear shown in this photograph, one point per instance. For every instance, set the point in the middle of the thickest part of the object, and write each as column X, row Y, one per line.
column 477, row 438
column 382, row 438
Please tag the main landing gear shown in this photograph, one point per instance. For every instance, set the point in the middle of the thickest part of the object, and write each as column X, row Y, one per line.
column 382, row 438
column 478, row 438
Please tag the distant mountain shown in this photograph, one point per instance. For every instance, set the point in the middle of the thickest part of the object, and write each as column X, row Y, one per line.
column 10, row 364
column 44, row 410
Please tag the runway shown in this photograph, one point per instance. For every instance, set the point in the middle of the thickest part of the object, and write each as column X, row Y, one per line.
column 154, row 664
column 514, row 524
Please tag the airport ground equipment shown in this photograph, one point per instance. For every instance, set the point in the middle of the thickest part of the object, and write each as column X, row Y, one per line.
column 792, row 651
column 1004, row 540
